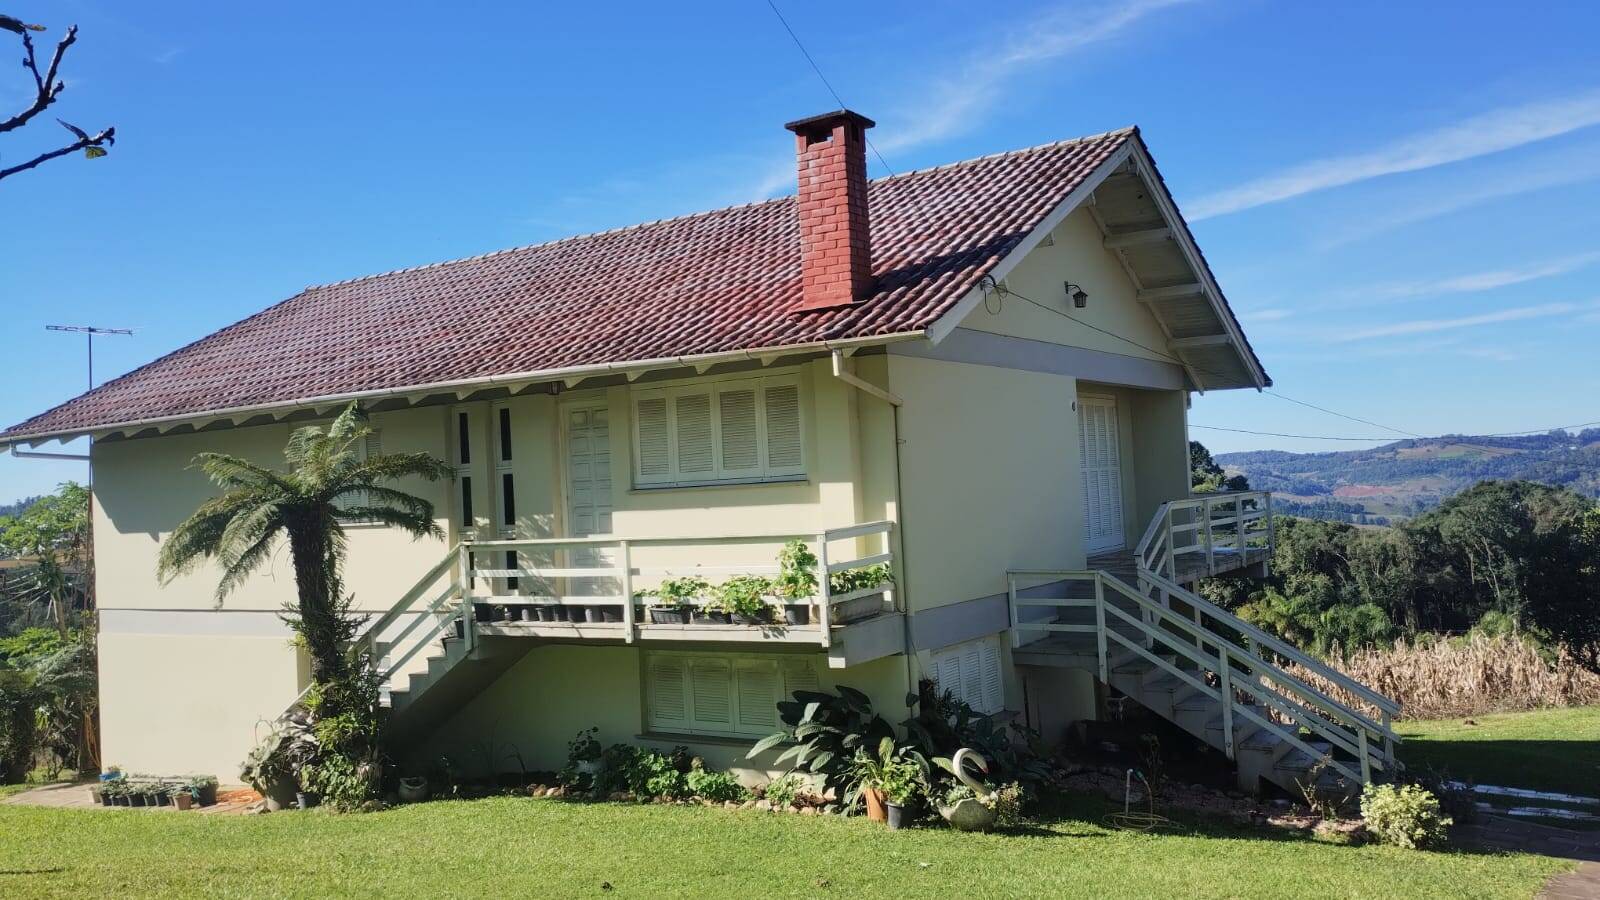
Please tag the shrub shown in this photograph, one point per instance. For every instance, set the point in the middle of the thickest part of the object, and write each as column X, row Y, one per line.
column 718, row 787
column 743, row 595
column 1406, row 816
column 797, row 572
column 19, row 703
column 825, row 731
column 784, row 791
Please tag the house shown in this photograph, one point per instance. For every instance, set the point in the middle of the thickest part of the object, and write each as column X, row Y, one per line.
column 977, row 375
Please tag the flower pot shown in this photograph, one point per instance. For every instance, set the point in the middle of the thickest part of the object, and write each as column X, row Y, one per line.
column 707, row 617
column 592, row 614
column 764, row 617
column 612, row 614
column 968, row 815
column 461, row 629
column 545, row 613
column 183, row 800
column 279, row 795
column 161, row 798
column 676, row 615
column 306, row 799
column 877, row 806
column 858, row 609
column 797, row 614
column 413, row 790
column 483, row 612
column 96, row 797
column 136, row 800
column 897, row 816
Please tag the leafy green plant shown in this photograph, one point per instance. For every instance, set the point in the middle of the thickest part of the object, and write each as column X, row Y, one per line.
column 743, row 595
column 825, row 731
column 856, row 579
column 718, row 787
column 676, row 593
column 797, row 572
column 901, row 773
column 944, row 724
column 1405, row 815
column 19, row 703
column 782, row 792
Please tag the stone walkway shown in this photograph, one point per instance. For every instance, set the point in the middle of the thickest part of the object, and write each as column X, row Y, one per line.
column 1501, row 833
column 76, row 796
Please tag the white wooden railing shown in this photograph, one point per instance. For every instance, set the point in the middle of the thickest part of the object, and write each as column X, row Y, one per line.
column 1230, row 525
column 1242, row 677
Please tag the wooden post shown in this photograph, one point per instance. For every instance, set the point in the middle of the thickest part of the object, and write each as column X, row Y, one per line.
column 1211, row 562
column 468, row 629
column 1388, row 745
column 1272, row 540
column 625, row 559
column 1238, row 527
column 824, row 590
column 1100, row 627
column 1225, row 689
column 1366, row 760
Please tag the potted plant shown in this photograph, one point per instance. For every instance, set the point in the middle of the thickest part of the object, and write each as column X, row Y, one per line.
column 670, row 604
column 584, row 751
column 204, row 789
column 744, row 598
column 270, row 767
column 889, row 781
column 796, row 584
column 414, row 789
column 869, row 582
column 182, row 796
column 114, row 792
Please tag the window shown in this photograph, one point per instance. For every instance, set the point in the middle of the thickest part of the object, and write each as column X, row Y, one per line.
column 369, row 448
column 971, row 671
column 730, row 430
column 729, row 694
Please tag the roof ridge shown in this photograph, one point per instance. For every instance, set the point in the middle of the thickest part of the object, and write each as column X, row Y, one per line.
column 1130, row 129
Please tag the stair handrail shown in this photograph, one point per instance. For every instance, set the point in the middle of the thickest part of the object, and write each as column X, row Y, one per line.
column 1390, row 708
column 1156, row 544
column 1327, row 709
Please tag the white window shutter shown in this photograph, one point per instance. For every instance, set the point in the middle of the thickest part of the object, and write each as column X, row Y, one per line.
column 740, row 443
column 799, row 675
column 654, row 450
column 993, row 683
column 668, row 694
column 711, row 687
column 692, row 426
column 782, row 413
column 758, row 683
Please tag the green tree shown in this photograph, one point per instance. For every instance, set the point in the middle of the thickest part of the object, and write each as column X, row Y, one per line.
column 1206, row 477
column 52, row 535
column 327, row 483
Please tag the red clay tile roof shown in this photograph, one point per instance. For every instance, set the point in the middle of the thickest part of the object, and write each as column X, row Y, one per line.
column 718, row 281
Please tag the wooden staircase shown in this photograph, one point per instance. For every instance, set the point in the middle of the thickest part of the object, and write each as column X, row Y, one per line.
column 1215, row 676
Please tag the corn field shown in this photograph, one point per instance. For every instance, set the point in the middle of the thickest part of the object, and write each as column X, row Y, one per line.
column 1439, row 679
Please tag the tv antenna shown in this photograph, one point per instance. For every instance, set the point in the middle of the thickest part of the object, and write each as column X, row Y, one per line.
column 89, row 331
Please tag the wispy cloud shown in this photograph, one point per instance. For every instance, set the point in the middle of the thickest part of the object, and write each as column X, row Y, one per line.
column 1432, row 326
column 963, row 101
column 1479, row 135
column 1469, row 283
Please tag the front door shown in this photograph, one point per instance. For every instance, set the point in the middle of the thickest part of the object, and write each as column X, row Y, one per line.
column 1100, row 451
column 588, row 465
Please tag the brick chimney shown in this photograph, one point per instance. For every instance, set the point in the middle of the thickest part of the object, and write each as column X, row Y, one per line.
column 835, row 248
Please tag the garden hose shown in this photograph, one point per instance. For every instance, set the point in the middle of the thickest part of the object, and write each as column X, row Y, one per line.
column 1128, row 820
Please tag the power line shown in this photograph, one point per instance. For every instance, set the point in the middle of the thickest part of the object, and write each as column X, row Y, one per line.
column 1309, row 437
column 825, row 82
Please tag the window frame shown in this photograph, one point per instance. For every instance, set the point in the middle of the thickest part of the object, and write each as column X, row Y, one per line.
column 764, row 472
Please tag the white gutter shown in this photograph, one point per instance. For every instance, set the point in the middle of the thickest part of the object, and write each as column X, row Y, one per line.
column 633, row 369
column 31, row 454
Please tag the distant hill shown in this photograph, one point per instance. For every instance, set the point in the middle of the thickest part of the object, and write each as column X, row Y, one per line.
column 12, row 509
column 1408, row 477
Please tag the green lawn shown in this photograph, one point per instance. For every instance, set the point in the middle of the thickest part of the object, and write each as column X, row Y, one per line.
column 522, row 847
column 1544, row 750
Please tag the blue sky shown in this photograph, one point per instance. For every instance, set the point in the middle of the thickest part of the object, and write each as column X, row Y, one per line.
column 1402, row 201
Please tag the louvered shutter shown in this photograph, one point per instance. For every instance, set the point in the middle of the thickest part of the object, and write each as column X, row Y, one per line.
column 740, row 444
column 799, row 675
column 781, row 405
column 711, row 694
column 654, row 439
column 691, row 415
column 668, row 694
column 759, row 684
column 993, row 684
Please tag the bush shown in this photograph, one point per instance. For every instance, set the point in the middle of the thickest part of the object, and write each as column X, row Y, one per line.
column 825, row 731
column 718, row 787
column 19, row 703
column 783, row 792
column 1406, row 816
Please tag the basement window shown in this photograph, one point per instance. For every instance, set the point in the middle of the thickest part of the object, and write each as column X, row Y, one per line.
column 722, row 694
column 971, row 671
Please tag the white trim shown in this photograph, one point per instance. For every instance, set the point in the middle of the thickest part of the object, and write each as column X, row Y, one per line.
column 958, row 313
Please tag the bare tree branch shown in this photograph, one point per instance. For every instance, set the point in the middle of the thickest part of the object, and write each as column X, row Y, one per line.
column 47, row 86
column 87, row 143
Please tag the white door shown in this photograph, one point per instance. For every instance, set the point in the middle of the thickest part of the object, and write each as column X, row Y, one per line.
column 1102, row 474
column 588, row 437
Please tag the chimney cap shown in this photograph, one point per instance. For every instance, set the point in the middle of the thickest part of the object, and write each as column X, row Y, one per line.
column 827, row 120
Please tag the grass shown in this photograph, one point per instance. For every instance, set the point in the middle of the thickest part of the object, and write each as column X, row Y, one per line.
column 1543, row 750
column 517, row 847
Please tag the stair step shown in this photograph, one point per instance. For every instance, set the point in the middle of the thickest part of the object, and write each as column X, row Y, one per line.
column 1240, row 723
column 1195, row 702
column 1262, row 739
column 1300, row 761
column 1171, row 683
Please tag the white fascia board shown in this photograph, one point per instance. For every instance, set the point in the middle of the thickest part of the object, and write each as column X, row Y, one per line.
column 947, row 323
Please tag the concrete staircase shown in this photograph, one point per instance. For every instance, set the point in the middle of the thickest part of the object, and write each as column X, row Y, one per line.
column 452, row 674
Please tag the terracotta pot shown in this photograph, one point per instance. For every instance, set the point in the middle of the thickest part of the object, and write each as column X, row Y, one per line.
column 877, row 806
column 183, row 801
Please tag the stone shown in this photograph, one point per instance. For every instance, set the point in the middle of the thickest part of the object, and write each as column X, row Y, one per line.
column 808, row 810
